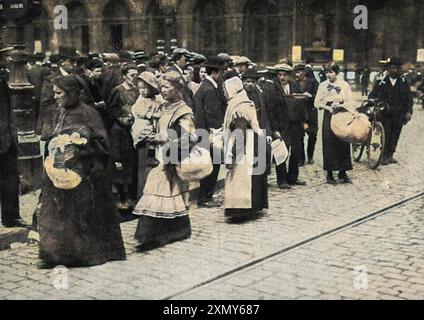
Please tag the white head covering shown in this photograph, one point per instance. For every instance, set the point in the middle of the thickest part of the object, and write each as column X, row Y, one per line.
column 239, row 105
column 233, row 86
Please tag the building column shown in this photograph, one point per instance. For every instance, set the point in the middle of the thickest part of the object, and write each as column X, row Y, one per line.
column 95, row 30
column 235, row 33
column 336, row 29
column 185, row 31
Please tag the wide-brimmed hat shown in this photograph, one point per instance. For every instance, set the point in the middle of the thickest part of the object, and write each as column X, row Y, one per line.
column 150, row 79
column 282, row 67
column 216, row 62
column 250, row 74
column 67, row 52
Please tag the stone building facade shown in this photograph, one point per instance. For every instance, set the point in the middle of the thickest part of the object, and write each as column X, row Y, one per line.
column 264, row 30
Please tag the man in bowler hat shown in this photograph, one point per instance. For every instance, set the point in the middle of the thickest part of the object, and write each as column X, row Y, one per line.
column 210, row 108
column 396, row 92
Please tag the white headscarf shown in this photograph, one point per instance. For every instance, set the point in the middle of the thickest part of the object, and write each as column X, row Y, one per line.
column 239, row 105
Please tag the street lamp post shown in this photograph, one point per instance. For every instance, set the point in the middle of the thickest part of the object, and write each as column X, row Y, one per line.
column 14, row 14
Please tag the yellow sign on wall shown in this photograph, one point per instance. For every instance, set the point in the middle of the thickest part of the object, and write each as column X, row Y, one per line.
column 420, row 55
column 38, row 46
column 296, row 53
column 338, row 55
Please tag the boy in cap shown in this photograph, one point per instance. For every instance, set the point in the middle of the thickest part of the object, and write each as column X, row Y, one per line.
column 180, row 57
column 293, row 130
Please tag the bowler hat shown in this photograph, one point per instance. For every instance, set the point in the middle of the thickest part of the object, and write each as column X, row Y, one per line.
column 39, row 56
column 67, row 52
column 125, row 56
column 215, row 62
column 54, row 58
column 395, row 61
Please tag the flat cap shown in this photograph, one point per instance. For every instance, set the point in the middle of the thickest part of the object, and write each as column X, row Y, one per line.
column 283, row 67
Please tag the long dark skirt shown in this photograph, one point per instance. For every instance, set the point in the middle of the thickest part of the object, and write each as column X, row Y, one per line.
column 156, row 232
column 79, row 227
column 336, row 153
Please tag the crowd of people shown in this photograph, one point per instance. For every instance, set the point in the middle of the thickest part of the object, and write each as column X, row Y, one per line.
column 105, row 120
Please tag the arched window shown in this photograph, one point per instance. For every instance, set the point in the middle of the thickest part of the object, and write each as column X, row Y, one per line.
column 78, row 26
column 210, row 27
column 161, row 25
column 117, row 24
column 261, row 30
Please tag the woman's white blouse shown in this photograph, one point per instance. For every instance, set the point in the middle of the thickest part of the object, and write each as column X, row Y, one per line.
column 337, row 92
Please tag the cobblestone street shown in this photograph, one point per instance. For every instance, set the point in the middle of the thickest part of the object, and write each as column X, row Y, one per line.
column 315, row 242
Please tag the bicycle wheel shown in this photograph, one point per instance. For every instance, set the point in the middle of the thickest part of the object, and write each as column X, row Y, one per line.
column 376, row 146
column 357, row 151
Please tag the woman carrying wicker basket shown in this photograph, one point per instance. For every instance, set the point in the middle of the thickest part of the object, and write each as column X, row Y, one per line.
column 163, row 208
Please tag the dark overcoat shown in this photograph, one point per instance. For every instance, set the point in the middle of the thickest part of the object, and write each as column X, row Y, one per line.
column 79, row 226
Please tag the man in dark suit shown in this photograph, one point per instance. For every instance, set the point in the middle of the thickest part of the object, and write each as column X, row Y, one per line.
column 309, row 87
column 9, row 179
column 36, row 76
column 180, row 59
column 210, row 109
column 396, row 92
column 284, row 90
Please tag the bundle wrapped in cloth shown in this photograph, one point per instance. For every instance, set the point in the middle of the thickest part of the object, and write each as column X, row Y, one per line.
column 350, row 126
column 197, row 166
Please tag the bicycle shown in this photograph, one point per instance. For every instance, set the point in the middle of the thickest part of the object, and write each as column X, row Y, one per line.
column 376, row 138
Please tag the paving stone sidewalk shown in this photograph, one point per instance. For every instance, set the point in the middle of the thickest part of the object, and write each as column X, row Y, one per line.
column 218, row 246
